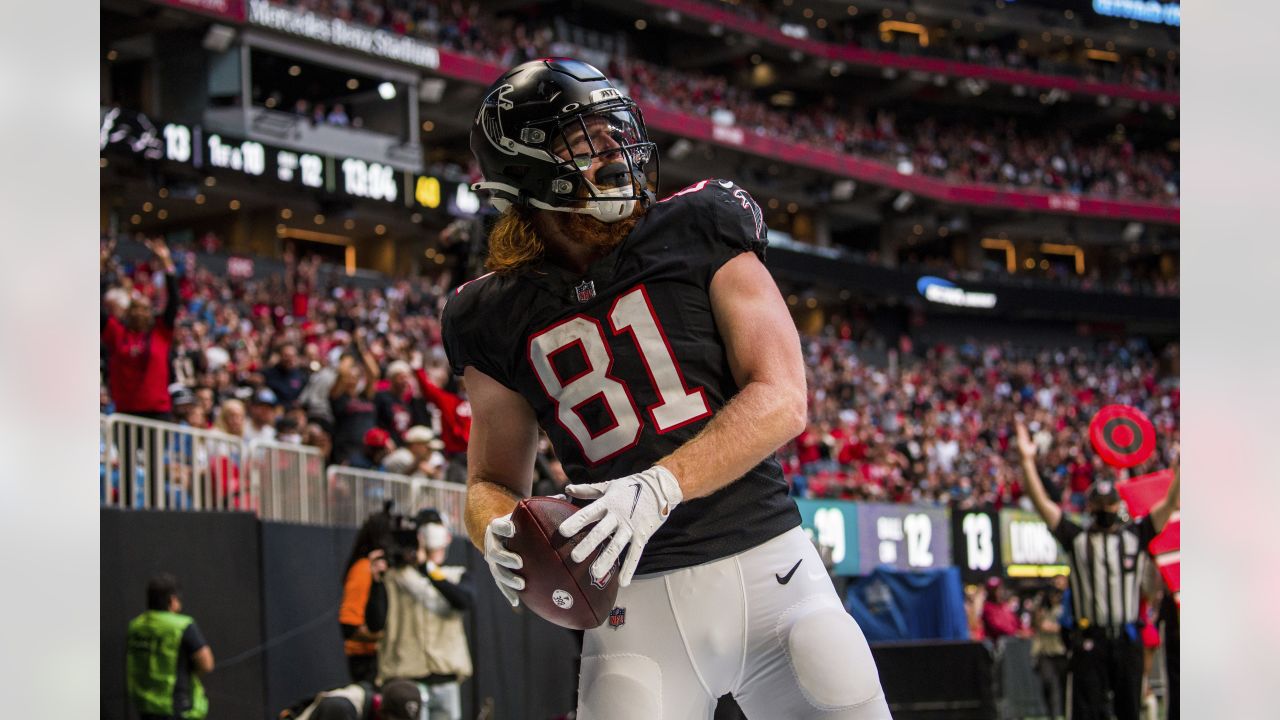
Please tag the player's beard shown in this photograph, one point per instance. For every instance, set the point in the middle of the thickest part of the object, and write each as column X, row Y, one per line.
column 596, row 235
column 523, row 236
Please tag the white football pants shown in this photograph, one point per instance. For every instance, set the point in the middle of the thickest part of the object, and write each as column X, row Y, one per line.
column 765, row 625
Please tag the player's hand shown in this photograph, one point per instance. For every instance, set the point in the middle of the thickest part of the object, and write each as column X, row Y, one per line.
column 631, row 509
column 501, row 560
column 158, row 248
column 377, row 564
column 1025, row 446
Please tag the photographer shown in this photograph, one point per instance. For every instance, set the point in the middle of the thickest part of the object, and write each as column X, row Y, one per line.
column 363, row 577
column 419, row 606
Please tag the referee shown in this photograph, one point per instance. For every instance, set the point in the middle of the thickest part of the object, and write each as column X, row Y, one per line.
column 1107, row 564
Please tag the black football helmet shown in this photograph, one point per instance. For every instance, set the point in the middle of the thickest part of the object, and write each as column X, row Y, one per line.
column 545, row 122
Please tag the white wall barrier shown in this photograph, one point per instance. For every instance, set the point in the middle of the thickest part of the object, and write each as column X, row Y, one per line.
column 158, row 465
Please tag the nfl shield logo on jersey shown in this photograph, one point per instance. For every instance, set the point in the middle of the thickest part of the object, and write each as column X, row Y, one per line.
column 585, row 291
column 617, row 617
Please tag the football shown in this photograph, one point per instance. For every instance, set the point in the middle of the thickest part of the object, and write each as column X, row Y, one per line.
column 557, row 588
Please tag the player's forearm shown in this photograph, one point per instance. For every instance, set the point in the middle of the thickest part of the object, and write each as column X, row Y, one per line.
column 1047, row 508
column 755, row 423
column 486, row 500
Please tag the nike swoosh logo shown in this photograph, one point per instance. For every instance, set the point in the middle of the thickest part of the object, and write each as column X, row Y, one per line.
column 635, row 501
column 784, row 579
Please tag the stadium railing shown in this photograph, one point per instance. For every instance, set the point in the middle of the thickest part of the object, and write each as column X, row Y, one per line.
column 149, row 464
column 355, row 493
column 289, row 480
column 159, row 465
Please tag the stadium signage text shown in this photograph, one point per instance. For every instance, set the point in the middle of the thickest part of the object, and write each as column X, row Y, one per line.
column 1141, row 10
column 975, row 539
column 945, row 292
column 1030, row 550
column 903, row 536
column 340, row 33
column 832, row 525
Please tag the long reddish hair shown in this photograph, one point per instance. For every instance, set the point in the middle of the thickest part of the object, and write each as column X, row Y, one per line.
column 514, row 242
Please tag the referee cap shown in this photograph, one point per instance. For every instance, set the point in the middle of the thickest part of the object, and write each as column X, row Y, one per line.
column 1104, row 491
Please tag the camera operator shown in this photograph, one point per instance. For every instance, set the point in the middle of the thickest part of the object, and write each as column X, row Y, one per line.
column 419, row 607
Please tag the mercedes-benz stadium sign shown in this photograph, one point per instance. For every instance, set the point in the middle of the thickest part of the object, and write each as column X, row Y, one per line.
column 945, row 292
column 331, row 30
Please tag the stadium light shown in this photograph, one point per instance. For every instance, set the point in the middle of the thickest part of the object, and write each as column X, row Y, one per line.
column 218, row 38
column 842, row 190
column 387, row 91
column 431, row 90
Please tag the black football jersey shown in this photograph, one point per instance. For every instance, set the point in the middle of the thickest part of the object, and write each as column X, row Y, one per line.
column 624, row 364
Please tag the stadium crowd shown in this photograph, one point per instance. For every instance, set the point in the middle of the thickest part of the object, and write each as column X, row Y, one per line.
column 938, row 430
column 997, row 153
column 360, row 373
column 1143, row 72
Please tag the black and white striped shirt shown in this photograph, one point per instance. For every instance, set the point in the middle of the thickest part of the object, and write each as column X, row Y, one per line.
column 1106, row 571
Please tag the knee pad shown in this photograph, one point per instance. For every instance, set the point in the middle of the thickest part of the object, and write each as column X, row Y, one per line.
column 831, row 659
column 621, row 687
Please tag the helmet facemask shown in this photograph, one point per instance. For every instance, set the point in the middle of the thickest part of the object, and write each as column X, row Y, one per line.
column 614, row 142
column 609, row 136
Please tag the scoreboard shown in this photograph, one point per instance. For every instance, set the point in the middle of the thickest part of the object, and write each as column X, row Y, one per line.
column 1029, row 549
column 904, row 537
column 200, row 149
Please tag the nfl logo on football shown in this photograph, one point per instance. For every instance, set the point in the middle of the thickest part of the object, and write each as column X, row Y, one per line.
column 617, row 617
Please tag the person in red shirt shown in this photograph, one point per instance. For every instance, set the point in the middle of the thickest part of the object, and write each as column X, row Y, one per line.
column 998, row 618
column 455, row 415
column 138, row 348
column 455, row 421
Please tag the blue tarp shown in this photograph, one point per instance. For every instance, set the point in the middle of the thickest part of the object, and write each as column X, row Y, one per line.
column 892, row 605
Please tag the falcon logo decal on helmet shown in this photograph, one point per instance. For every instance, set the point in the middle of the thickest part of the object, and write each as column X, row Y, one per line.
column 491, row 122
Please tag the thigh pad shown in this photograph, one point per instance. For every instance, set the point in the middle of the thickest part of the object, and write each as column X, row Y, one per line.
column 621, row 687
column 829, row 656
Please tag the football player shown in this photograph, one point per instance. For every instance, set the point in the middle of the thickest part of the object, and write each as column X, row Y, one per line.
column 649, row 341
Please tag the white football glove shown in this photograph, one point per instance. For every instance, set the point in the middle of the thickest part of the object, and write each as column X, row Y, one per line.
column 501, row 560
column 630, row 509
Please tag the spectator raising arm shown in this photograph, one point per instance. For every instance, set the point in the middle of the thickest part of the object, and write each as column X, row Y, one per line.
column 169, row 315
column 370, row 364
column 1048, row 510
column 455, row 413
